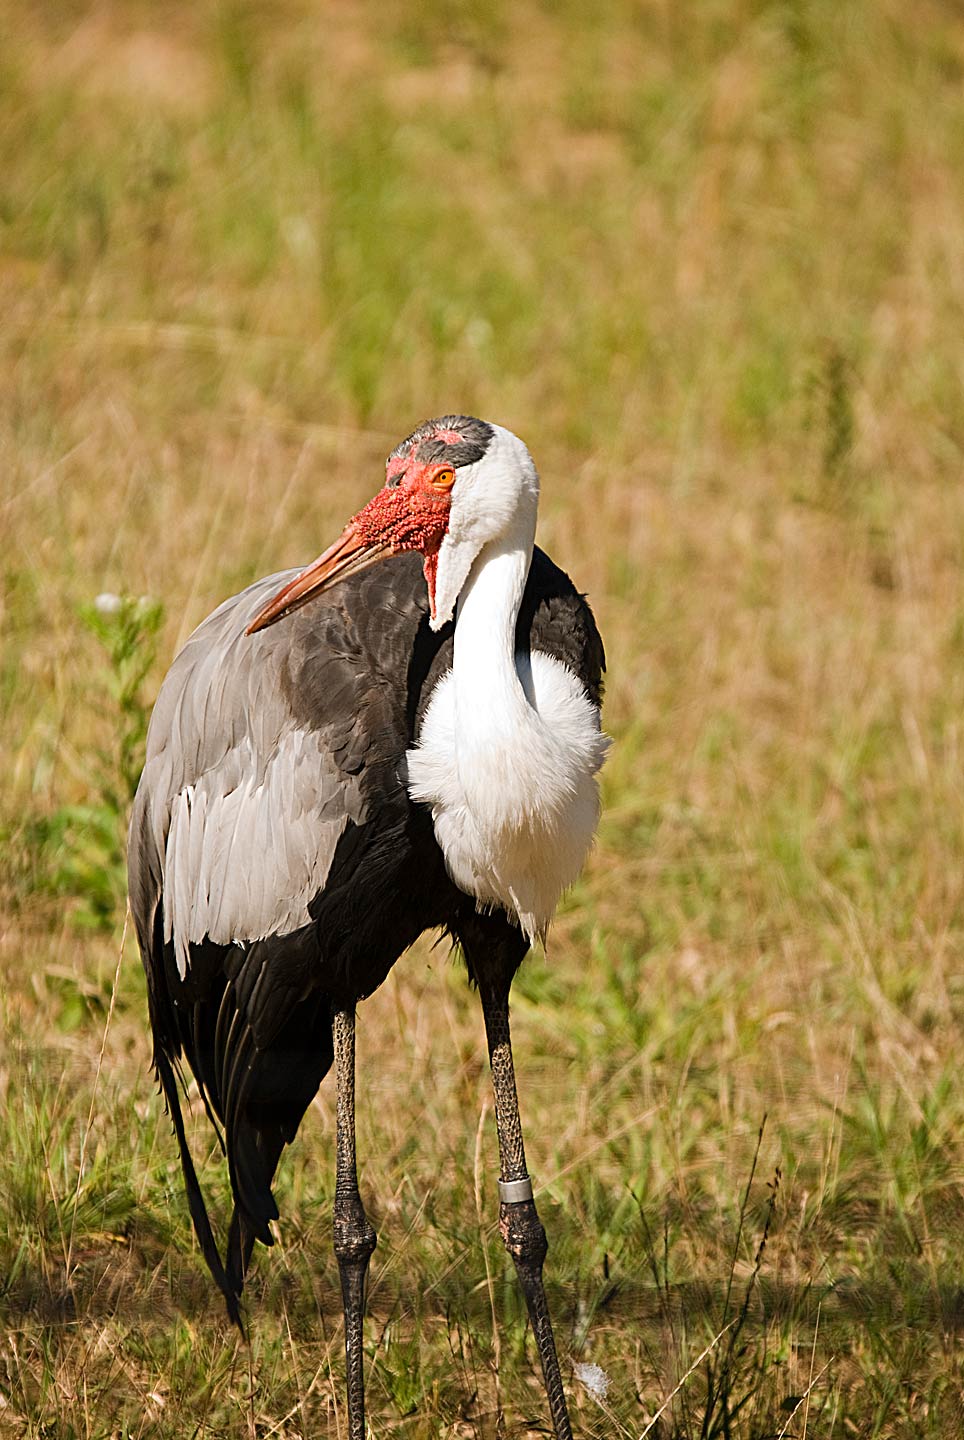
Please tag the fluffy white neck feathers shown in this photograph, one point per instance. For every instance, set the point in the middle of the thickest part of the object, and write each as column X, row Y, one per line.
column 509, row 746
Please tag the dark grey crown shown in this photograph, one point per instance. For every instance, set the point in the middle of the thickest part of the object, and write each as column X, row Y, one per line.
column 426, row 442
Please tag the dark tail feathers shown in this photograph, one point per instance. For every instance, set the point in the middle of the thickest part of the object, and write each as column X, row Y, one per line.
column 229, row 1285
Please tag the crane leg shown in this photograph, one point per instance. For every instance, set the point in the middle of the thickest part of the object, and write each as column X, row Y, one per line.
column 519, row 1223
column 354, row 1234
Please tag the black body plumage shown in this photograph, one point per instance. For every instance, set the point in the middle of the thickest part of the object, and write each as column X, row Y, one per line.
column 340, row 686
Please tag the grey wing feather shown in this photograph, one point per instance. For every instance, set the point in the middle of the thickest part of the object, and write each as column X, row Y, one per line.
column 241, row 803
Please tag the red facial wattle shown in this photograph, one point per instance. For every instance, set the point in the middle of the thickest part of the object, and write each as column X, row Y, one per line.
column 430, row 571
column 406, row 517
column 410, row 513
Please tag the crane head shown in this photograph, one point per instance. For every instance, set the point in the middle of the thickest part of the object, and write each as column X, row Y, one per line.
column 434, row 480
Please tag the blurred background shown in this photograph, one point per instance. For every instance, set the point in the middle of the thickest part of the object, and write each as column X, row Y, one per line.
column 708, row 261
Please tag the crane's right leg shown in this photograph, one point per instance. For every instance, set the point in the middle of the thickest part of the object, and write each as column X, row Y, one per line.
column 354, row 1234
column 522, row 1230
column 493, row 951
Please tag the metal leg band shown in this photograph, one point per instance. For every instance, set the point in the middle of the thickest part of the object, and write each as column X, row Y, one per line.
column 512, row 1191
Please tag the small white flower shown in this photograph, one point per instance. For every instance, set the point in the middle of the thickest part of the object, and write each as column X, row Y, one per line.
column 594, row 1378
column 478, row 332
column 107, row 604
column 299, row 236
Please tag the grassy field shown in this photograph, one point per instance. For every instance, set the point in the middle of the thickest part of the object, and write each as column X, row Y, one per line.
column 709, row 261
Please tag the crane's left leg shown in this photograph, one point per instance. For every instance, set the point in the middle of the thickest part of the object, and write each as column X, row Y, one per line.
column 354, row 1234
column 522, row 1230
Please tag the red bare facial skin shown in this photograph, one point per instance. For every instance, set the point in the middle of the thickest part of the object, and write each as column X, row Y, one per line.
column 410, row 513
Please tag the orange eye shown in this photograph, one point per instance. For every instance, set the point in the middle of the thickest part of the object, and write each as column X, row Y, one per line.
column 443, row 479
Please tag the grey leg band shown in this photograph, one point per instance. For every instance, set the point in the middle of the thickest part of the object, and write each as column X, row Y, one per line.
column 512, row 1191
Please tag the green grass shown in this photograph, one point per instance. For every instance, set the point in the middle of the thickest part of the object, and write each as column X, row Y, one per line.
column 705, row 259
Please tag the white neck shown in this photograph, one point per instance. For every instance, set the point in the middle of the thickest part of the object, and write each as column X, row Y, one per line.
column 490, row 696
column 509, row 744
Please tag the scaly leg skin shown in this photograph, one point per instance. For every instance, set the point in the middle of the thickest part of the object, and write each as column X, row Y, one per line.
column 522, row 1231
column 354, row 1234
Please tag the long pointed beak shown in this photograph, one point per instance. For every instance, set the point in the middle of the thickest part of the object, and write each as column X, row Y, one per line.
column 350, row 553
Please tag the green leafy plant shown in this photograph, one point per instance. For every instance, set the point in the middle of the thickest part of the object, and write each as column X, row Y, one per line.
column 81, row 845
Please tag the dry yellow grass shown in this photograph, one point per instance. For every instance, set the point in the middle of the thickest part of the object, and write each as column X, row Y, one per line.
column 707, row 261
